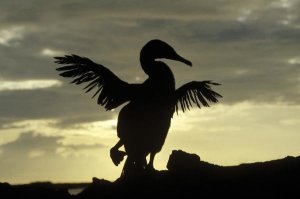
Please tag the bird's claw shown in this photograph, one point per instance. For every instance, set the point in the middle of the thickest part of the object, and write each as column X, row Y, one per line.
column 117, row 156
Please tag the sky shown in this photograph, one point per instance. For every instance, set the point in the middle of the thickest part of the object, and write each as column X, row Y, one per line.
column 51, row 131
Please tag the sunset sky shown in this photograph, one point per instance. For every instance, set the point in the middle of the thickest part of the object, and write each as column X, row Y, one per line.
column 52, row 131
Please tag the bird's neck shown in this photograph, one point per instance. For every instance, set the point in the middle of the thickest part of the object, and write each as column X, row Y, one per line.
column 147, row 64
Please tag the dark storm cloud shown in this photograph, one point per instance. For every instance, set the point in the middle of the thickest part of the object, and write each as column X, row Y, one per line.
column 35, row 11
column 242, row 44
column 251, row 62
column 66, row 107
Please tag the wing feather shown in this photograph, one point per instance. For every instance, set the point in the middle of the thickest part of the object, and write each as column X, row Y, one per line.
column 197, row 93
column 112, row 91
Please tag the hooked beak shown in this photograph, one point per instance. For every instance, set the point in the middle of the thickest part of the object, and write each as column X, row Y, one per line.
column 181, row 59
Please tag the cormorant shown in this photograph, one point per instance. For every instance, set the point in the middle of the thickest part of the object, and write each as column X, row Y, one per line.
column 143, row 123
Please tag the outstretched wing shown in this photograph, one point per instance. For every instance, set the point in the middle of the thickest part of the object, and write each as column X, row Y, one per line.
column 112, row 90
column 196, row 92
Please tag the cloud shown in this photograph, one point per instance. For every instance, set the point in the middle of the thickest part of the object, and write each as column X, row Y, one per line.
column 11, row 34
column 28, row 84
column 37, row 11
column 38, row 157
column 247, row 57
column 294, row 60
column 32, row 145
column 18, row 105
column 52, row 53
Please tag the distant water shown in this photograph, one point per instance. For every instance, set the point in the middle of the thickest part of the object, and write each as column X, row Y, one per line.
column 75, row 191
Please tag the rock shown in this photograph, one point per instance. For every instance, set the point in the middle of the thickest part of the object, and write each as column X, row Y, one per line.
column 182, row 162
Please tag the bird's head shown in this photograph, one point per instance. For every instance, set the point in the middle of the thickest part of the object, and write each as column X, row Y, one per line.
column 157, row 49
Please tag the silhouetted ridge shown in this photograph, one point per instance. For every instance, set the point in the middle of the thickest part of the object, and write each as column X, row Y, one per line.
column 187, row 176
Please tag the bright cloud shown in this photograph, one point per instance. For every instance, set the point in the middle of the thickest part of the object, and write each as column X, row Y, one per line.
column 283, row 4
column 28, row 84
column 10, row 34
column 51, row 53
column 294, row 60
column 244, row 15
column 82, row 135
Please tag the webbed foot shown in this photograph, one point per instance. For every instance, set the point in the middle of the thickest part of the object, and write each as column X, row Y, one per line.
column 117, row 156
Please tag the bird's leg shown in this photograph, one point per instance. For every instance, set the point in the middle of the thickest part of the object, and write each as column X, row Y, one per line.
column 115, row 154
column 118, row 145
column 150, row 164
column 134, row 167
column 128, row 167
column 141, row 163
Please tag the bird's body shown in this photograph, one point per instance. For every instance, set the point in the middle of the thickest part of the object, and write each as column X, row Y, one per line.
column 144, row 122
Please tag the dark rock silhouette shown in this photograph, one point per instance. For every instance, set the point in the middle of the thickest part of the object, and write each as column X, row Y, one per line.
column 186, row 176
column 182, row 162
column 45, row 190
column 144, row 122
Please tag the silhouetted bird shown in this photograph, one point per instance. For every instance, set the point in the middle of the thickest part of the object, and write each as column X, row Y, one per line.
column 144, row 122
